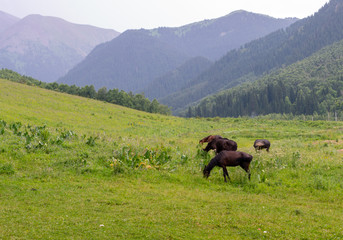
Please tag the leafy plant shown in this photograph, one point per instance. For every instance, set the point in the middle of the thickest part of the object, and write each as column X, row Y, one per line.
column 131, row 158
column 91, row 141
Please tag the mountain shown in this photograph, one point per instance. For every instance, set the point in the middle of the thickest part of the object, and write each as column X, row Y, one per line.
column 7, row 20
column 137, row 57
column 176, row 79
column 213, row 38
column 128, row 62
column 47, row 47
column 313, row 86
column 278, row 49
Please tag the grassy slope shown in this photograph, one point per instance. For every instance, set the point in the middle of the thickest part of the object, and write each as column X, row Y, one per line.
column 72, row 191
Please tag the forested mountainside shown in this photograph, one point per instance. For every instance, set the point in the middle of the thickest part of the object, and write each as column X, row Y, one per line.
column 137, row 57
column 277, row 50
column 47, row 47
column 313, row 86
column 176, row 79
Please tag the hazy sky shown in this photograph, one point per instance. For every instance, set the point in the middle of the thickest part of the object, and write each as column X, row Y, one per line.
column 121, row 15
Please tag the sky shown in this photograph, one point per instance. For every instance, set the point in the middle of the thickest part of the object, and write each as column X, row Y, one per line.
column 122, row 15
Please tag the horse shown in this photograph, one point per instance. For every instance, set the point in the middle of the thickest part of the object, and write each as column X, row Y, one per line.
column 220, row 145
column 210, row 138
column 230, row 159
column 261, row 143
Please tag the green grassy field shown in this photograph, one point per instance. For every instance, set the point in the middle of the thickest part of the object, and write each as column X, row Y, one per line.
column 74, row 168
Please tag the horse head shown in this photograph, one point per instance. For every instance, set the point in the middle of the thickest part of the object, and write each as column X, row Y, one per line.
column 206, row 172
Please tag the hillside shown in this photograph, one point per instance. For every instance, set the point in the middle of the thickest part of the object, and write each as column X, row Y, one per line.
column 137, row 57
column 7, row 20
column 128, row 62
column 313, row 86
column 176, row 79
column 47, row 47
column 136, row 175
column 261, row 56
column 114, row 96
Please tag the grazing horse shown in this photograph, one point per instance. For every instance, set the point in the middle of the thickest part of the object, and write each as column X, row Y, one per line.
column 261, row 143
column 231, row 159
column 220, row 145
column 210, row 138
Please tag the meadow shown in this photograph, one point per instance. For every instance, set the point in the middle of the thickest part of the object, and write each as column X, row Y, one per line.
column 76, row 168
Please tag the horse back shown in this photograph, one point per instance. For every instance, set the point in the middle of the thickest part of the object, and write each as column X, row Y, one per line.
column 234, row 158
column 226, row 144
column 261, row 143
column 231, row 145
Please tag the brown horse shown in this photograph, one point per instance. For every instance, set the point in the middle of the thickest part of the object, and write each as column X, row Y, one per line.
column 261, row 143
column 231, row 159
column 210, row 138
column 220, row 145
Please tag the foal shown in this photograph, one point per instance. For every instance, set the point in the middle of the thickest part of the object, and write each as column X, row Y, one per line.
column 231, row 159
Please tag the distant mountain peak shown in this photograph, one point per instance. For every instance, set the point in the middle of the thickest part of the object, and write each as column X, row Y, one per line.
column 240, row 12
column 46, row 47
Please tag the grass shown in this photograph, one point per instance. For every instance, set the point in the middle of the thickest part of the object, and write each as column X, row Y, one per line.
column 74, row 168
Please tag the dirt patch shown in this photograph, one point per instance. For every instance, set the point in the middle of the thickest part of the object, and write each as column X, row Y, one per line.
column 328, row 142
column 334, row 141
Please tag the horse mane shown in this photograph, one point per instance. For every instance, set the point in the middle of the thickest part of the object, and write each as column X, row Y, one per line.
column 209, row 138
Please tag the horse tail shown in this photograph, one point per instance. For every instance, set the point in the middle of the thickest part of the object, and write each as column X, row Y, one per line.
column 245, row 157
column 249, row 158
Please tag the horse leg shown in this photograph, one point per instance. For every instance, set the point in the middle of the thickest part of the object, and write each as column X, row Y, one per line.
column 225, row 173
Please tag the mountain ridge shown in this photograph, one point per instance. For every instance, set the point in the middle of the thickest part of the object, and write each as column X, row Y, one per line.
column 47, row 47
column 184, row 42
column 7, row 20
column 125, row 53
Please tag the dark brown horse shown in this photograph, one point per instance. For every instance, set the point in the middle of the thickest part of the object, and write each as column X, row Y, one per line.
column 261, row 143
column 220, row 145
column 230, row 159
column 210, row 138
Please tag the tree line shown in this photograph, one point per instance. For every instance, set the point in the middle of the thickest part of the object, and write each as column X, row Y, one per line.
column 274, row 97
column 115, row 96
